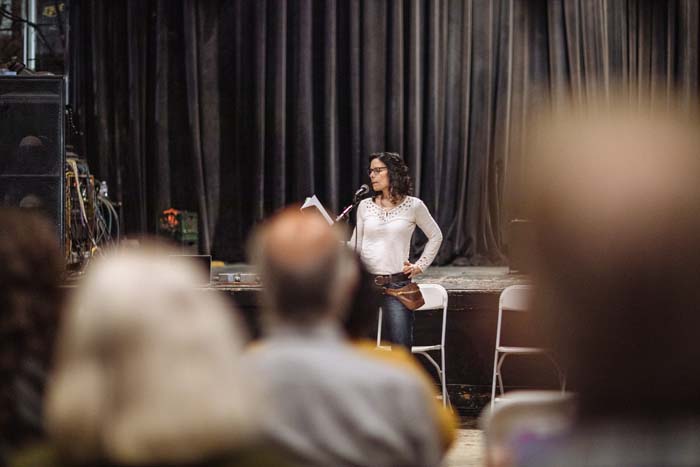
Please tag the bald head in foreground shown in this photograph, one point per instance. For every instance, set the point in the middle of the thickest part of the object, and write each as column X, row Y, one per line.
column 307, row 273
column 616, row 203
column 328, row 403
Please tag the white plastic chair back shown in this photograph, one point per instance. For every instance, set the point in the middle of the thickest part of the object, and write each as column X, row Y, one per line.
column 516, row 298
column 435, row 297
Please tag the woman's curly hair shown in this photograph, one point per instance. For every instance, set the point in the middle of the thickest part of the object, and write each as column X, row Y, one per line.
column 400, row 183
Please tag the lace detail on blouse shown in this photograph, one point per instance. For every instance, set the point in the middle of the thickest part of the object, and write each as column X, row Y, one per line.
column 423, row 263
column 388, row 214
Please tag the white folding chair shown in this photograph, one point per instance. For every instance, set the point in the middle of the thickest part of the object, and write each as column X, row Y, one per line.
column 524, row 415
column 435, row 297
column 515, row 298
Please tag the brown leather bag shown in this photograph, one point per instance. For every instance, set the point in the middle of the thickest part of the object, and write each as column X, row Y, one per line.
column 409, row 295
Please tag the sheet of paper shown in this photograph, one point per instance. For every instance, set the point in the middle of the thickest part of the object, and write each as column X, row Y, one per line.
column 313, row 202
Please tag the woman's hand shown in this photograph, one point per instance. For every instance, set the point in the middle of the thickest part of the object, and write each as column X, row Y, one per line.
column 411, row 270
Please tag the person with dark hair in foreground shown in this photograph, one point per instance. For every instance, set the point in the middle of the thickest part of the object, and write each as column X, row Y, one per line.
column 382, row 238
column 616, row 257
column 30, row 301
column 328, row 404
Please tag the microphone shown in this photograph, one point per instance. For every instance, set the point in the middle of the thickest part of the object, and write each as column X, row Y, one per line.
column 363, row 190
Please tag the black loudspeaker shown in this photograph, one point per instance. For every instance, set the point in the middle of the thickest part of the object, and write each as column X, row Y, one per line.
column 32, row 149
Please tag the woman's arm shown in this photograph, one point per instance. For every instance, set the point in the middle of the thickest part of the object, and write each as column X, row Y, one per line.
column 430, row 228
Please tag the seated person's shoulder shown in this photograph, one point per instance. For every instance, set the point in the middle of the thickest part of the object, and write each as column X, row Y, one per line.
column 397, row 366
column 402, row 360
column 398, row 357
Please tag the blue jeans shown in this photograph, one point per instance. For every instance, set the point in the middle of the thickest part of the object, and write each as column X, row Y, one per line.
column 397, row 319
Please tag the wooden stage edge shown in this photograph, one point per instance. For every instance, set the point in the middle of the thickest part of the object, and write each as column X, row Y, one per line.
column 473, row 294
column 453, row 278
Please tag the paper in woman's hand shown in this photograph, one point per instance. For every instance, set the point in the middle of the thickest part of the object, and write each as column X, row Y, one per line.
column 313, row 202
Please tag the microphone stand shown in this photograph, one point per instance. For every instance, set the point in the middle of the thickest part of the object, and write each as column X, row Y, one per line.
column 345, row 215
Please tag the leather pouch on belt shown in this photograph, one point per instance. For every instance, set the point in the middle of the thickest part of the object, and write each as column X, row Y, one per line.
column 409, row 295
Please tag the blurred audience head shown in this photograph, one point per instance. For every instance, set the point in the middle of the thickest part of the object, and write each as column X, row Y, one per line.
column 147, row 369
column 361, row 318
column 30, row 299
column 307, row 271
column 616, row 204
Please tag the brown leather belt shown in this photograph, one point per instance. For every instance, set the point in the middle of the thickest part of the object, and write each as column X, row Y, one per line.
column 389, row 278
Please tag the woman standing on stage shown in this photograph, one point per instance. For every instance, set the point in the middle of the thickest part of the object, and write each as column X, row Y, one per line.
column 382, row 237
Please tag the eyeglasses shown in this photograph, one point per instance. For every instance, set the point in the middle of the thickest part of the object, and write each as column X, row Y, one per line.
column 376, row 171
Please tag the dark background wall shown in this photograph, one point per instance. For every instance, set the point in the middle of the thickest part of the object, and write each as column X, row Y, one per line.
column 234, row 109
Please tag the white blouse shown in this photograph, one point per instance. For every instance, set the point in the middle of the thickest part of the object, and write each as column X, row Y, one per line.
column 384, row 236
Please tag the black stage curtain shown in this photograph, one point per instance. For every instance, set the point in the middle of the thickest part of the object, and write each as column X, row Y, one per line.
column 234, row 109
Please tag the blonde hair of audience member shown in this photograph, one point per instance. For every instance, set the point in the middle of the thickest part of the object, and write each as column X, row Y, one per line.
column 308, row 271
column 616, row 203
column 147, row 368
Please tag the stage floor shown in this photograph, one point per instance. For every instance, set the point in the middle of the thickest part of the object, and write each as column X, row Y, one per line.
column 453, row 278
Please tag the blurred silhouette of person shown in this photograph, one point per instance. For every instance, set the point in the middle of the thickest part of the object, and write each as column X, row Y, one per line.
column 147, row 370
column 328, row 403
column 30, row 301
column 360, row 321
column 616, row 203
